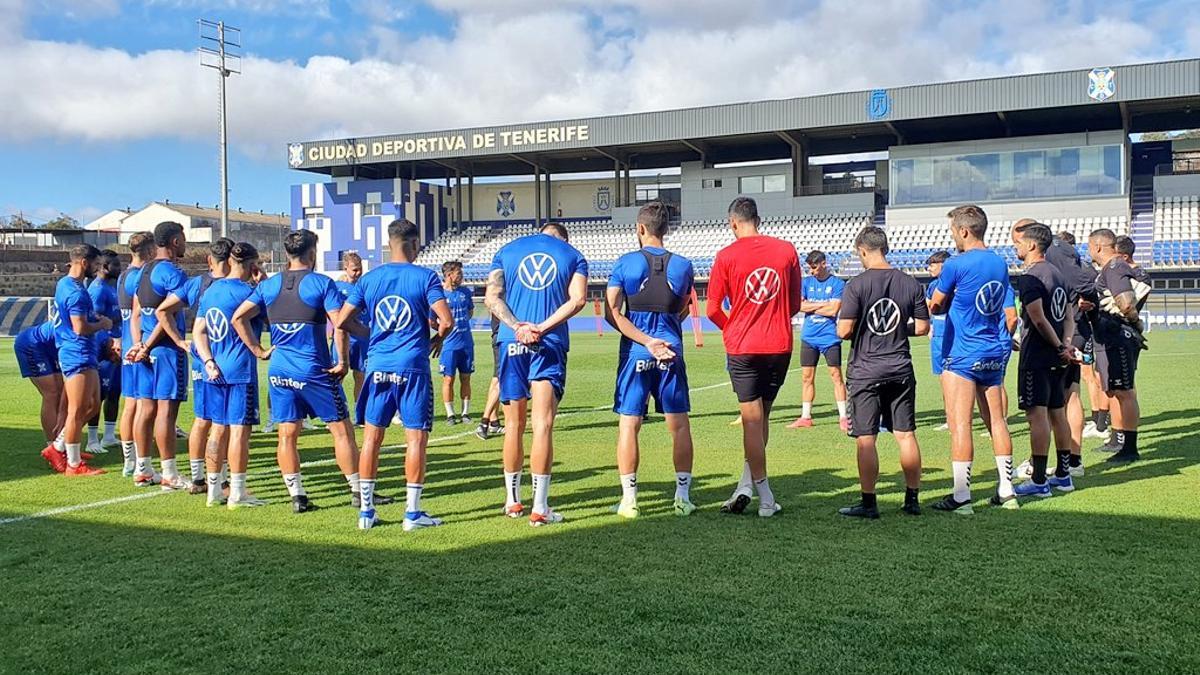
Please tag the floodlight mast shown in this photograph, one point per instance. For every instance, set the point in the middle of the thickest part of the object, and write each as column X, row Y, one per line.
column 218, row 45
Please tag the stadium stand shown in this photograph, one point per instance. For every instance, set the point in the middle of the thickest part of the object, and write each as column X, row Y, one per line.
column 1177, row 231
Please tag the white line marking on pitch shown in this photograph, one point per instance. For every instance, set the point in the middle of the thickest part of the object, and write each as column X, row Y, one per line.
column 80, row 507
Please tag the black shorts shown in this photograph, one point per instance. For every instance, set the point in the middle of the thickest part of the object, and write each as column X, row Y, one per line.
column 1116, row 365
column 894, row 402
column 809, row 355
column 495, row 359
column 1042, row 388
column 757, row 376
column 1074, row 375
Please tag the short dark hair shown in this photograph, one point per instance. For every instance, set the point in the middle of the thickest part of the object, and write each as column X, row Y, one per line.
column 84, row 252
column 970, row 217
column 815, row 258
column 243, row 251
column 298, row 243
column 872, row 238
column 109, row 256
column 937, row 258
column 141, row 243
column 744, row 209
column 219, row 249
column 451, row 265
column 1125, row 245
column 1103, row 237
column 403, row 229
column 558, row 228
column 1066, row 237
column 1039, row 234
column 165, row 231
column 655, row 216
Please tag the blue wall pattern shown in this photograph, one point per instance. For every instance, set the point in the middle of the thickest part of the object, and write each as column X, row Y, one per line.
column 17, row 314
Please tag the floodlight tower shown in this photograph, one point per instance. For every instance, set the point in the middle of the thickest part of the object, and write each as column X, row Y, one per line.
column 219, row 49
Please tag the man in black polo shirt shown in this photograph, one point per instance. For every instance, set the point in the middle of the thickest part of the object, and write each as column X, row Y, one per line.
column 1047, row 323
column 877, row 306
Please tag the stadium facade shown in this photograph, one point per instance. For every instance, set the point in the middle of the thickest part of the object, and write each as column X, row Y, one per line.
column 1055, row 146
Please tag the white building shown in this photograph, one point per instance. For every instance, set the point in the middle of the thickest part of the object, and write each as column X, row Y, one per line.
column 200, row 225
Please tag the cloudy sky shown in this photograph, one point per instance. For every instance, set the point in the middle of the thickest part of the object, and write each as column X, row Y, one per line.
column 104, row 104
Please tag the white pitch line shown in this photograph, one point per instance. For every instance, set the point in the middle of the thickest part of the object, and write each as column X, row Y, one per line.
column 258, row 474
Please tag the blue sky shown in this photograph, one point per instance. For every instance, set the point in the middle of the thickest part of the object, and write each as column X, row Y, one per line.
column 105, row 105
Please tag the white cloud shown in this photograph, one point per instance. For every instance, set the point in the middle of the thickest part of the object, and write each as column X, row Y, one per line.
column 513, row 60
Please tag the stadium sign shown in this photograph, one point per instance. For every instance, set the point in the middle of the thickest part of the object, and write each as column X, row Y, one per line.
column 1101, row 84
column 386, row 150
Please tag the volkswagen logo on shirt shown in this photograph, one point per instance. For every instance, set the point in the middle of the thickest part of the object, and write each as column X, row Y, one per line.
column 217, row 323
column 537, row 270
column 762, row 285
column 990, row 298
column 147, row 311
column 289, row 328
column 392, row 313
column 1058, row 304
column 883, row 317
column 126, row 314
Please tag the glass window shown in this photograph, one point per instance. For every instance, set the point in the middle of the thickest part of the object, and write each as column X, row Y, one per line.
column 750, row 185
column 775, row 183
column 314, row 212
column 710, row 183
column 372, row 209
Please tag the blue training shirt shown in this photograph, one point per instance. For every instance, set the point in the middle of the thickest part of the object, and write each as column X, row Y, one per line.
column 629, row 273
column 300, row 348
column 462, row 306
column 401, row 296
column 977, row 284
column 133, row 276
column 217, row 305
column 821, row 331
column 344, row 288
column 105, row 303
column 538, row 269
column 165, row 278
column 72, row 299
column 937, row 323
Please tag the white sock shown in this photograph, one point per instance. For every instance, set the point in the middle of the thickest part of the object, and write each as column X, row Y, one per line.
column 214, row 487
column 1004, row 467
column 295, row 484
column 745, row 482
column 765, row 496
column 128, row 451
column 168, row 468
column 806, row 410
column 449, row 408
column 144, row 466
column 110, row 430
column 197, row 470
column 412, row 497
column 683, row 485
column 541, row 493
column 466, row 405
column 355, row 482
column 60, row 443
column 366, row 488
column 841, row 408
column 237, row 486
column 512, row 488
column 962, row 481
column 93, row 435
column 629, row 488
column 73, row 458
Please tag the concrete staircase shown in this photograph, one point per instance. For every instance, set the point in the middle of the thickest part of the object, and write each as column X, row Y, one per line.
column 1141, row 222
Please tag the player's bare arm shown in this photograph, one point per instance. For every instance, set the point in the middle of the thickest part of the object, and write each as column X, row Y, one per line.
column 494, row 299
column 347, row 320
column 614, row 301
column 204, row 349
column 82, row 326
column 166, row 314
column 939, row 303
column 845, row 328
column 576, row 299
column 445, row 322
column 241, row 323
column 1037, row 316
column 341, row 346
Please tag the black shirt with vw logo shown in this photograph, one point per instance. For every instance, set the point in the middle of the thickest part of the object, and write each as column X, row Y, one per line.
column 1042, row 281
column 882, row 302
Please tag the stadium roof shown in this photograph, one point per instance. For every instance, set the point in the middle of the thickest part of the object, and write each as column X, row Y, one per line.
column 1137, row 98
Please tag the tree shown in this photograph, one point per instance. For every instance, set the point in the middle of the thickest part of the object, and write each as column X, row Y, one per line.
column 18, row 221
column 62, row 222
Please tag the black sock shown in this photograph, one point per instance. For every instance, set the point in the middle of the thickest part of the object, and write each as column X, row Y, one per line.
column 1103, row 422
column 1129, row 443
column 868, row 500
column 1039, row 468
column 1076, row 460
column 1118, row 438
column 1061, row 470
column 1096, row 418
column 910, row 495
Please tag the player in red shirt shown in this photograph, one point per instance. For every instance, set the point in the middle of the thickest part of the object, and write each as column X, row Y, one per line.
column 760, row 276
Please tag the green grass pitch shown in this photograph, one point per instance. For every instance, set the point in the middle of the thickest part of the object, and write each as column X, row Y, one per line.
column 1106, row 579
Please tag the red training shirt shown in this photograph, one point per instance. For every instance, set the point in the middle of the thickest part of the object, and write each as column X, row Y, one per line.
column 761, row 277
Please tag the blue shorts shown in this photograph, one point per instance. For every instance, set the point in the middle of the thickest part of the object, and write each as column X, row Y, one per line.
column 231, row 404
column 200, row 388
column 937, row 357
column 74, row 366
column 520, row 365
column 408, row 393
column 457, row 361
column 986, row 371
column 168, row 375
column 110, row 379
column 140, row 379
column 358, row 354
column 35, row 360
column 293, row 400
column 640, row 379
